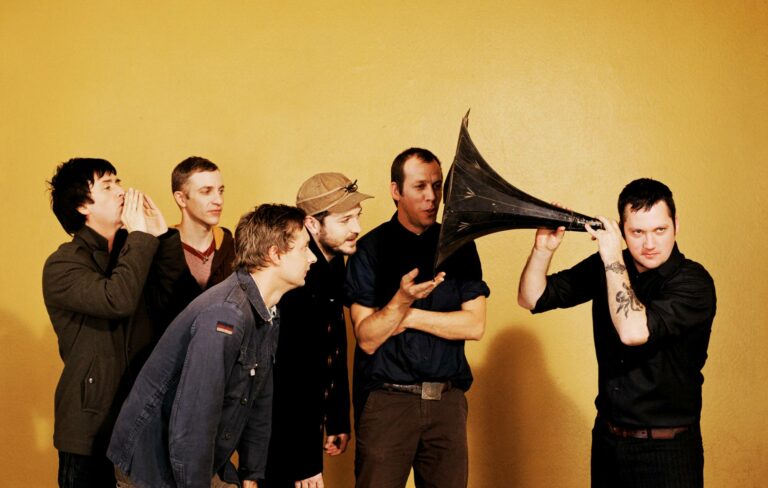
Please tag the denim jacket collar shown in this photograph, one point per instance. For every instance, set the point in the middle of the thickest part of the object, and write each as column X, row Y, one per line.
column 248, row 285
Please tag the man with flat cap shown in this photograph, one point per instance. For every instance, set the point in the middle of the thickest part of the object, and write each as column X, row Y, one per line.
column 311, row 396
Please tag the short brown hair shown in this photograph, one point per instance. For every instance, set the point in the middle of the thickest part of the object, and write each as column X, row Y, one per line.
column 265, row 226
column 188, row 167
column 396, row 171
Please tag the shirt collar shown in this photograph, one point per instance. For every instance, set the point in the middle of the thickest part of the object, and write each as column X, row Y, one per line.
column 671, row 264
column 92, row 239
column 402, row 230
column 248, row 285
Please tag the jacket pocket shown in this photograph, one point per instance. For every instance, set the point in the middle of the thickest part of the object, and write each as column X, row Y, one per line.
column 248, row 362
column 98, row 386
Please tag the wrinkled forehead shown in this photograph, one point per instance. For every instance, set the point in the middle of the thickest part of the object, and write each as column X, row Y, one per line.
column 416, row 169
column 200, row 179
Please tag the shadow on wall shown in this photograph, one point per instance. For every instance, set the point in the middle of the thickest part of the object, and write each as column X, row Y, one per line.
column 523, row 431
column 26, row 402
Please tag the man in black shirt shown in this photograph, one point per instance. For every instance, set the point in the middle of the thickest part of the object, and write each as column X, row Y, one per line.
column 311, row 394
column 652, row 313
column 410, row 369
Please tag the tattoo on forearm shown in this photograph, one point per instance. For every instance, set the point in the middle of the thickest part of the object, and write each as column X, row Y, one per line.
column 616, row 267
column 627, row 301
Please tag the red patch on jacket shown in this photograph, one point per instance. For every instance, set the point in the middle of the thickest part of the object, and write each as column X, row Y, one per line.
column 224, row 328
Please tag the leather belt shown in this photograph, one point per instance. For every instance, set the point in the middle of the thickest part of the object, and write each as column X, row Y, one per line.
column 649, row 433
column 429, row 390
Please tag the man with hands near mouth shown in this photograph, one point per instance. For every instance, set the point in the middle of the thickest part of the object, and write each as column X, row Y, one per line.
column 99, row 290
column 652, row 313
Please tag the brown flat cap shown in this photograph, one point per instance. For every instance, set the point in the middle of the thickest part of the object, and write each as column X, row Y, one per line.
column 333, row 192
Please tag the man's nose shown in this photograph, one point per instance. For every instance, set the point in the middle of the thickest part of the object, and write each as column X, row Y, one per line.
column 311, row 258
column 354, row 226
column 649, row 242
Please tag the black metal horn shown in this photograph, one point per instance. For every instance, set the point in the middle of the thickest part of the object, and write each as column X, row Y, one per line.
column 479, row 202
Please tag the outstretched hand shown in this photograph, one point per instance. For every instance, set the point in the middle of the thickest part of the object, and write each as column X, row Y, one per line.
column 412, row 291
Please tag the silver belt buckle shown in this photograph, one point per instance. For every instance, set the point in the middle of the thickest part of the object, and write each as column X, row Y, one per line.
column 431, row 391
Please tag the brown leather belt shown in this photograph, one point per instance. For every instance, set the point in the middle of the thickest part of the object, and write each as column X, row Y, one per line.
column 428, row 390
column 649, row 433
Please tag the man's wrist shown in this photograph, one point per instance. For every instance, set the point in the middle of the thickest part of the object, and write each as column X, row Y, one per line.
column 615, row 266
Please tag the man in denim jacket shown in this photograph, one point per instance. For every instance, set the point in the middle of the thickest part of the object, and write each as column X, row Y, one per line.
column 206, row 390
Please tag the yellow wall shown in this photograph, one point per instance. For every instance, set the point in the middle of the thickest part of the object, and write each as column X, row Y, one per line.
column 570, row 100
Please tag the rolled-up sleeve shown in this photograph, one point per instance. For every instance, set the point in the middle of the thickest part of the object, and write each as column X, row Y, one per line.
column 571, row 287
column 686, row 301
column 360, row 286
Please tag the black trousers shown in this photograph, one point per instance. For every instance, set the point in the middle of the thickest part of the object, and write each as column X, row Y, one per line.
column 627, row 462
column 79, row 471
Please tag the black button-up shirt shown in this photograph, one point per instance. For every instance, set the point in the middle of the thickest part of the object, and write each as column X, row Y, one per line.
column 383, row 256
column 657, row 384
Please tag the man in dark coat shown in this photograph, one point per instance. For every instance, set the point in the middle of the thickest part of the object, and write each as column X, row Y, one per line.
column 100, row 290
column 311, row 383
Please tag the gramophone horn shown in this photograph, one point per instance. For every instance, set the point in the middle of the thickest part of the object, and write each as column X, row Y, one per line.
column 479, row 202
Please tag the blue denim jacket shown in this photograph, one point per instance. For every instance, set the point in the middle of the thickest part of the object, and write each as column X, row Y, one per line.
column 205, row 392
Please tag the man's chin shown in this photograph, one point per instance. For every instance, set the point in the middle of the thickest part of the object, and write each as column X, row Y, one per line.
column 348, row 249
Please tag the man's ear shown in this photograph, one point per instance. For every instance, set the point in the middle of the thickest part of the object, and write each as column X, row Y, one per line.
column 312, row 224
column 677, row 225
column 394, row 191
column 84, row 210
column 274, row 255
column 181, row 199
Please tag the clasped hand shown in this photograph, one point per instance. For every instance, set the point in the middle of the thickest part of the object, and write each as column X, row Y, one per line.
column 141, row 214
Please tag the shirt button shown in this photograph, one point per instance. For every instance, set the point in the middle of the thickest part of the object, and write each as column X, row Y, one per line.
column 227, row 435
column 326, row 393
column 329, row 328
column 244, row 401
column 242, row 286
column 330, row 360
column 331, row 385
column 90, row 381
